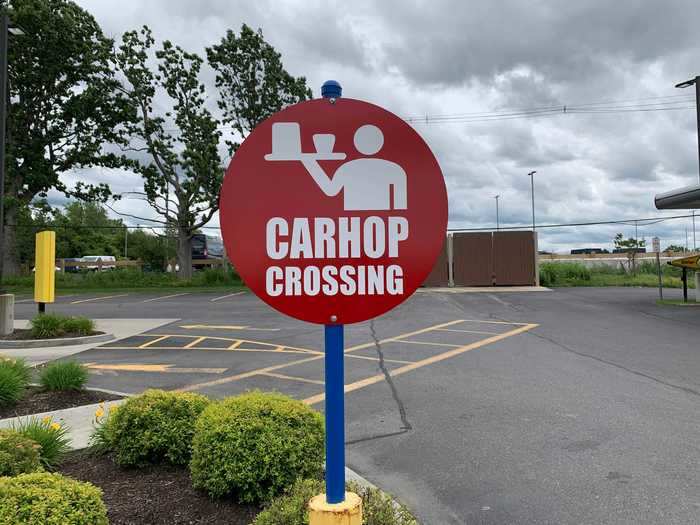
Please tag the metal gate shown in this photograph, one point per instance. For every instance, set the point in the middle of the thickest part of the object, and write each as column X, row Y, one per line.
column 487, row 259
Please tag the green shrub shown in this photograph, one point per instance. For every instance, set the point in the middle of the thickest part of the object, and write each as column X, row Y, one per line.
column 292, row 507
column 78, row 325
column 18, row 454
column 101, row 439
column 50, row 499
column 19, row 365
column 254, row 445
column 11, row 386
column 155, row 427
column 51, row 436
column 63, row 375
column 45, row 326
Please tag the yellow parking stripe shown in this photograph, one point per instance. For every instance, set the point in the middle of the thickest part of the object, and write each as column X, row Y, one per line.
column 99, row 298
column 154, row 341
column 292, row 378
column 424, row 343
column 368, row 358
column 481, row 332
column 226, row 296
column 424, row 362
column 195, row 342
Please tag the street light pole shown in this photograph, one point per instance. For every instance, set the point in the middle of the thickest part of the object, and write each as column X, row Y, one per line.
column 532, row 193
column 3, row 118
column 498, row 225
column 695, row 82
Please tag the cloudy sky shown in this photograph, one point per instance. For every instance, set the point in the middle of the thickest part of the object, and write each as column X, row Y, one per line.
column 488, row 81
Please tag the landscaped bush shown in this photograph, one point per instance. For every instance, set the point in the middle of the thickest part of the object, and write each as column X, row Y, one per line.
column 155, row 427
column 255, row 445
column 64, row 375
column 18, row 454
column 292, row 507
column 46, row 326
column 50, row 499
column 19, row 365
column 11, row 386
column 51, row 436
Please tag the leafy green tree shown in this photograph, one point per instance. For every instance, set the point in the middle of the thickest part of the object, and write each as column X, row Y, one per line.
column 177, row 152
column 63, row 106
column 674, row 248
column 83, row 228
column 153, row 249
column 251, row 80
column 631, row 247
column 181, row 168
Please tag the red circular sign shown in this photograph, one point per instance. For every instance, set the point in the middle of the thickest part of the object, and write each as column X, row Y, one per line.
column 333, row 212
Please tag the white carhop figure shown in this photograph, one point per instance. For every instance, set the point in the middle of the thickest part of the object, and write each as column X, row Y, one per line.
column 367, row 183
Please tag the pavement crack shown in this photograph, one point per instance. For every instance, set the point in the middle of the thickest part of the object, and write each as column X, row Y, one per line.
column 685, row 389
column 405, row 423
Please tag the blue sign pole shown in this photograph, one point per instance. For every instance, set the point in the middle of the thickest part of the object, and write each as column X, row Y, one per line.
column 335, row 383
column 335, row 414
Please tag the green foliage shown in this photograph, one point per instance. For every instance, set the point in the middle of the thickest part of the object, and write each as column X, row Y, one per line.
column 46, row 326
column 51, row 436
column 101, row 439
column 129, row 278
column 155, row 427
column 153, row 250
column 251, row 80
column 64, row 103
column 552, row 274
column 63, row 375
column 50, row 499
column 254, row 445
column 292, row 507
column 19, row 365
column 18, row 454
column 11, row 386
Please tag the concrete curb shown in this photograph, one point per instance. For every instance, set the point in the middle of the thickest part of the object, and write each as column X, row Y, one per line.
column 63, row 341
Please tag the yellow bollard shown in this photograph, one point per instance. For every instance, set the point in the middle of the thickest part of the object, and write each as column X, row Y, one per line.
column 45, row 267
column 349, row 512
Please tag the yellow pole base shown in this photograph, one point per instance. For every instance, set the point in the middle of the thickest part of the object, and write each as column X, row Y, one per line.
column 349, row 512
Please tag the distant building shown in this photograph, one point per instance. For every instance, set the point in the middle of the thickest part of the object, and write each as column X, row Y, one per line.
column 588, row 251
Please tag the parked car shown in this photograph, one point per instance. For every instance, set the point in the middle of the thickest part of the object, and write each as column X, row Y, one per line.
column 106, row 260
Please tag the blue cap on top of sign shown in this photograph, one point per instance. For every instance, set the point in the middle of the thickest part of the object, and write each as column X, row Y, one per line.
column 331, row 89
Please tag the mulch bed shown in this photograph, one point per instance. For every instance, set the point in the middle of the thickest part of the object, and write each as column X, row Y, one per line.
column 36, row 400
column 25, row 334
column 157, row 495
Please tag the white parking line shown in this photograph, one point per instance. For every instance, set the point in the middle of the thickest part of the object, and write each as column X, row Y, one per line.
column 99, row 298
column 225, row 296
column 166, row 297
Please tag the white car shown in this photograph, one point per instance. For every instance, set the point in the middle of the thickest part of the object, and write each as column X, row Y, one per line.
column 106, row 260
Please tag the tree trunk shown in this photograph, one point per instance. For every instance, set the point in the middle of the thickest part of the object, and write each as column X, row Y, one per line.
column 9, row 249
column 184, row 254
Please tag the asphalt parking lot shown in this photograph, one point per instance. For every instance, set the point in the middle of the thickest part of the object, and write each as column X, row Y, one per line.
column 569, row 406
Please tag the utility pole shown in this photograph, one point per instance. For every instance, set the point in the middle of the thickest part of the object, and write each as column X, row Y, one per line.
column 695, row 82
column 3, row 119
column 636, row 233
column 126, row 242
column 532, row 193
column 498, row 224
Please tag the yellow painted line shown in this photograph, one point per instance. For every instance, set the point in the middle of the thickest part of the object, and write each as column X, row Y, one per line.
column 226, row 296
column 212, row 348
column 292, row 378
column 466, row 331
column 168, row 369
column 245, row 375
column 166, row 297
column 154, row 341
column 226, row 327
column 493, row 322
column 425, row 362
column 235, row 345
column 368, row 358
column 195, row 342
column 401, row 336
column 232, row 340
column 319, row 355
column 424, row 343
column 99, row 298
